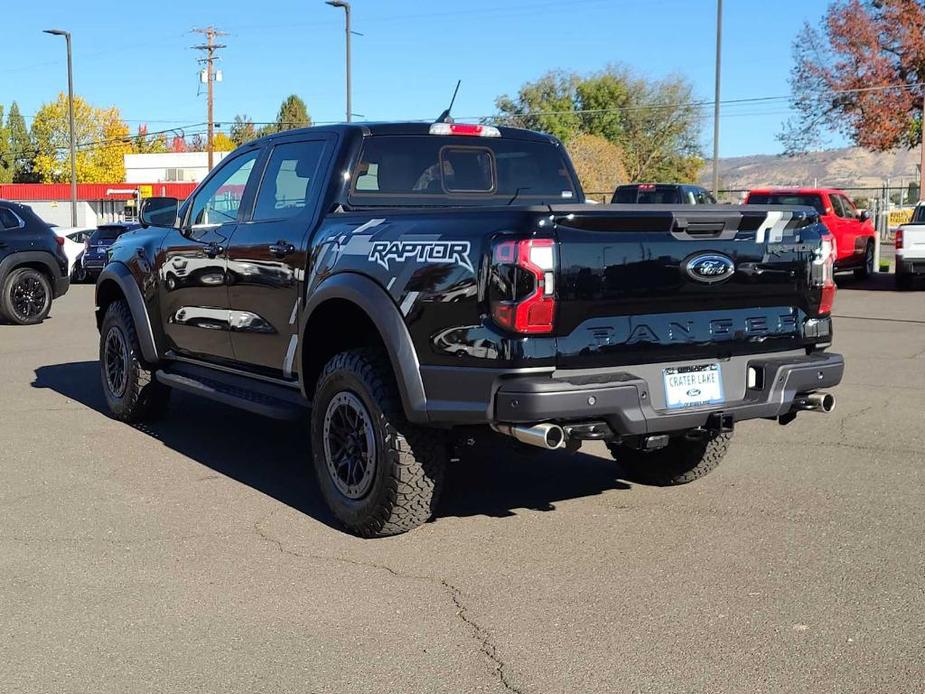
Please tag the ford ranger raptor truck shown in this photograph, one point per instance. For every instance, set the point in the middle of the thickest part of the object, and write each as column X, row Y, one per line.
column 398, row 284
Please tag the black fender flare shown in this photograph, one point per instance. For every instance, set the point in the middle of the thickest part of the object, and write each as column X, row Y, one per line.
column 44, row 258
column 384, row 314
column 122, row 276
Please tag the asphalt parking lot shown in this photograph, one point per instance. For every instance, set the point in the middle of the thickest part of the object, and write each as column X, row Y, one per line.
column 195, row 554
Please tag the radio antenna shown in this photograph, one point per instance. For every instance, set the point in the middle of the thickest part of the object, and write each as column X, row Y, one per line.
column 445, row 117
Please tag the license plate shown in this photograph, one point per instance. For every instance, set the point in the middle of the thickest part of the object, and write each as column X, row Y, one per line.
column 689, row 386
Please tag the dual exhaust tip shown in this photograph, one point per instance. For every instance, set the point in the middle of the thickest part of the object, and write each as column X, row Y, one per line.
column 552, row 436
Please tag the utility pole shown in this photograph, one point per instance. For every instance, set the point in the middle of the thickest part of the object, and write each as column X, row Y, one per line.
column 209, row 75
column 719, row 47
column 70, row 114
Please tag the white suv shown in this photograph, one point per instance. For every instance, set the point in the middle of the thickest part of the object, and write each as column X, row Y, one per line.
column 910, row 249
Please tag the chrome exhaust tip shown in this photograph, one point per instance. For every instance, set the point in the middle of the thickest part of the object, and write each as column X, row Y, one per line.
column 548, row 436
column 816, row 402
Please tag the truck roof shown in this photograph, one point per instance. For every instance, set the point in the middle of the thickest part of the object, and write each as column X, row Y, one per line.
column 403, row 128
column 796, row 190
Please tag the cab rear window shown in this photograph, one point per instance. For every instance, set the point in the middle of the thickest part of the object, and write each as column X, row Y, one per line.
column 783, row 199
column 433, row 170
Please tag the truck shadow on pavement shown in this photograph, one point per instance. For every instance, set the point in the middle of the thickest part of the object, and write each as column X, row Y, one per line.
column 493, row 478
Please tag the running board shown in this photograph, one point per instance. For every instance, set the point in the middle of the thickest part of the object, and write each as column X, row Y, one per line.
column 259, row 397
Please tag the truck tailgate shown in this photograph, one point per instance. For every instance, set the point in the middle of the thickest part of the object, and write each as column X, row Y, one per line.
column 665, row 284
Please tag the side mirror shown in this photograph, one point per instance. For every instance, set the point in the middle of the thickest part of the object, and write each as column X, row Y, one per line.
column 864, row 216
column 159, row 212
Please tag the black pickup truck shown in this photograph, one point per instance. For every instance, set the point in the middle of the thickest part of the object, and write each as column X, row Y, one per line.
column 405, row 282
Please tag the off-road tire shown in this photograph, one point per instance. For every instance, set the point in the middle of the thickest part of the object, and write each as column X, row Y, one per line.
column 143, row 397
column 680, row 462
column 14, row 279
column 410, row 460
column 866, row 270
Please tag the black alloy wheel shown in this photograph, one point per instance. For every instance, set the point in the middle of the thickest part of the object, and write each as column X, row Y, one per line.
column 26, row 298
column 349, row 445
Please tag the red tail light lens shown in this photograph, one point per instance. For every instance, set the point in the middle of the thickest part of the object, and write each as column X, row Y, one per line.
column 522, row 291
column 899, row 239
column 59, row 240
column 824, row 273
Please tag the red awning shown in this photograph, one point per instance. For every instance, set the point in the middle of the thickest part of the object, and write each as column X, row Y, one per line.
column 91, row 192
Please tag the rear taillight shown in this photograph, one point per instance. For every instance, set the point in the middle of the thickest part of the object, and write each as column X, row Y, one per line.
column 522, row 291
column 899, row 239
column 824, row 273
column 59, row 240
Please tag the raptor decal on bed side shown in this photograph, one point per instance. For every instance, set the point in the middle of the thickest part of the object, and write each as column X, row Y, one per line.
column 454, row 252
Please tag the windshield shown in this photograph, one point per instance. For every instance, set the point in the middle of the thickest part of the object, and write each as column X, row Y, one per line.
column 432, row 170
column 792, row 200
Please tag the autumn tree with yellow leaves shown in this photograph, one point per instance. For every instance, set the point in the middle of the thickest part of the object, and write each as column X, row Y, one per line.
column 103, row 139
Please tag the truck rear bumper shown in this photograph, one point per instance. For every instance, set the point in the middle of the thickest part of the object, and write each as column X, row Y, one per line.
column 632, row 401
column 910, row 266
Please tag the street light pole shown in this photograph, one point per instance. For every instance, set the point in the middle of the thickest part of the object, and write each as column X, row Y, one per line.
column 72, row 128
column 346, row 6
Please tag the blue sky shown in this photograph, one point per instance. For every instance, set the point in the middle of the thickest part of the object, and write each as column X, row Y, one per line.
column 137, row 57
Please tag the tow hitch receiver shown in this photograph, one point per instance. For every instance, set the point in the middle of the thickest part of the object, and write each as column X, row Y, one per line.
column 720, row 423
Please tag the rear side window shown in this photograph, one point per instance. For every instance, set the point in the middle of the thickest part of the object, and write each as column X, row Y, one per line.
column 445, row 170
column 8, row 220
column 838, row 206
column 918, row 217
column 287, row 185
column 813, row 201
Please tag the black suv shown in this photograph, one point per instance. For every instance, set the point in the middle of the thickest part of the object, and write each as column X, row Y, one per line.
column 33, row 267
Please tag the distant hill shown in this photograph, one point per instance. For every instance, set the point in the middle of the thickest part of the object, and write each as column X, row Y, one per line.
column 849, row 167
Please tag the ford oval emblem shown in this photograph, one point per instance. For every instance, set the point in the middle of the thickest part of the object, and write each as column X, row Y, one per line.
column 710, row 267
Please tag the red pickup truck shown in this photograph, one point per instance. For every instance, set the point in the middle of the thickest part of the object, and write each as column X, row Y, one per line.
column 853, row 231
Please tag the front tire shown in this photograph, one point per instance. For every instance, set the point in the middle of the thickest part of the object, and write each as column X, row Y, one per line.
column 26, row 296
column 680, row 462
column 131, row 391
column 379, row 474
column 862, row 273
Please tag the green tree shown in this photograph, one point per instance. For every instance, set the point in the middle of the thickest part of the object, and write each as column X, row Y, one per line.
column 143, row 143
column 243, row 130
column 293, row 113
column 7, row 161
column 21, row 146
column 655, row 124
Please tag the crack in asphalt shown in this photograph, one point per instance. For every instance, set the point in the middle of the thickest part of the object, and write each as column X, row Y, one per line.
column 487, row 646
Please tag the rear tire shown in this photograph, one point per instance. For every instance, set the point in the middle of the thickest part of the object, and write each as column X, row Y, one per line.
column 132, row 393
column 862, row 273
column 379, row 474
column 26, row 296
column 680, row 462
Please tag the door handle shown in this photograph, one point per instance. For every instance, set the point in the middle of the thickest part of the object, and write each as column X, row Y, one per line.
column 281, row 249
column 214, row 249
